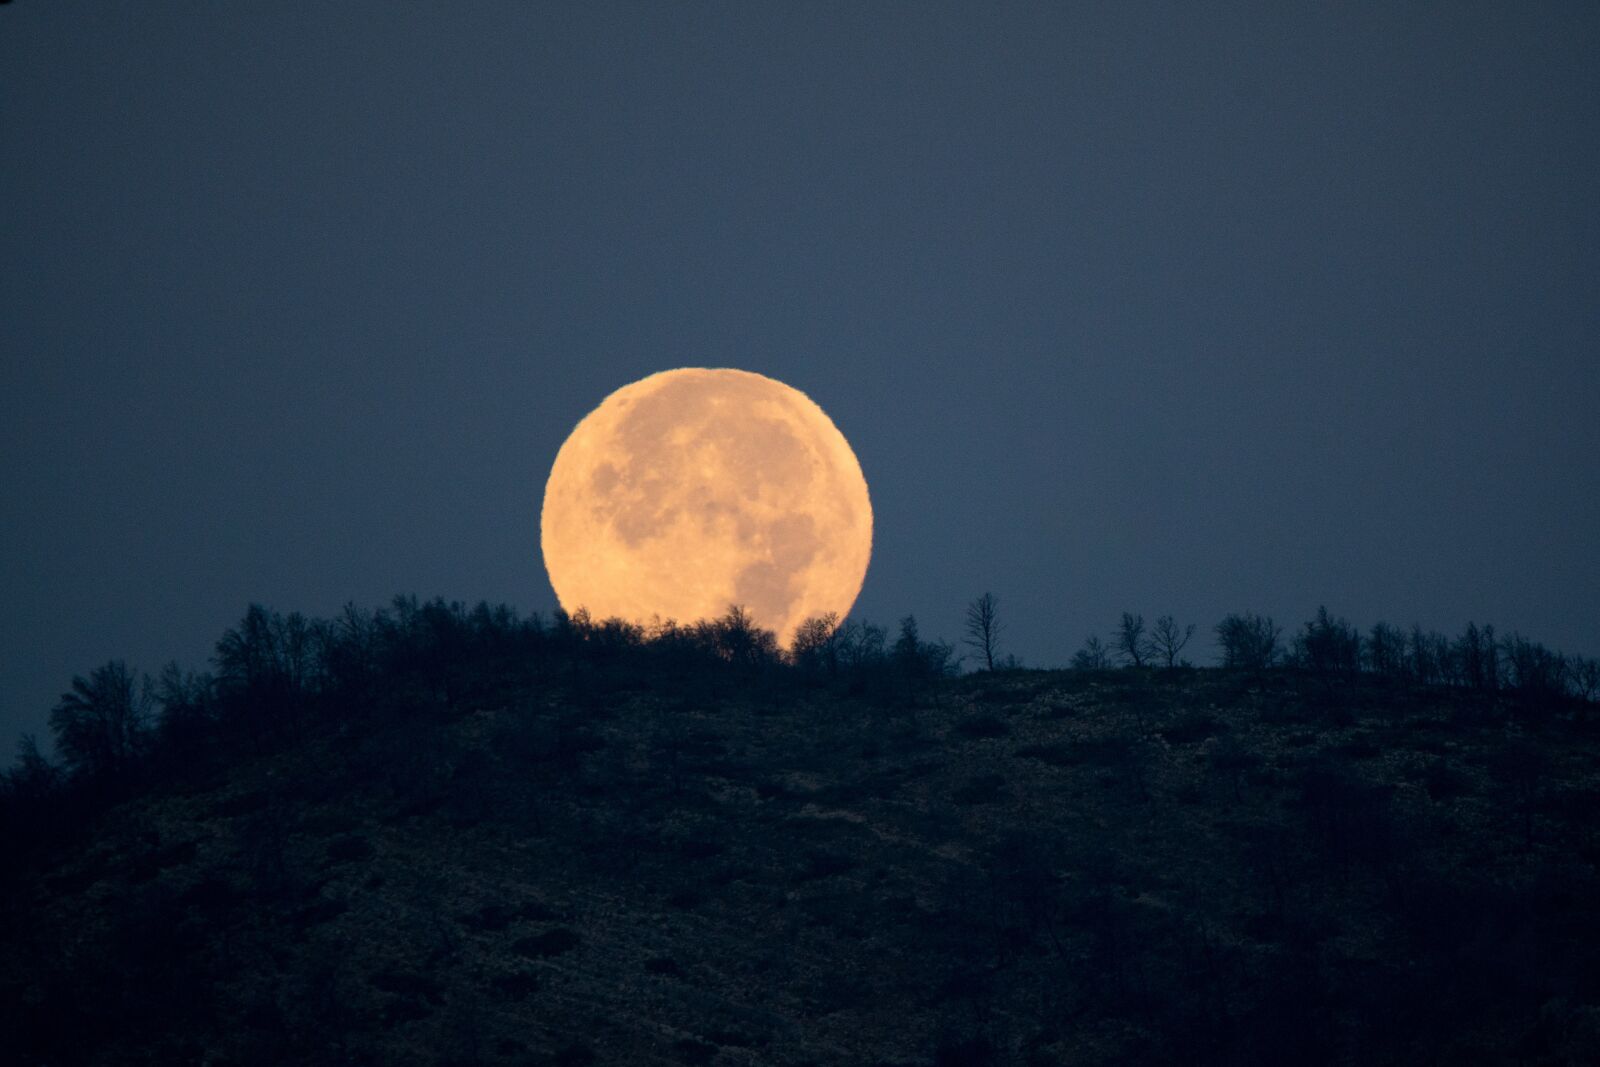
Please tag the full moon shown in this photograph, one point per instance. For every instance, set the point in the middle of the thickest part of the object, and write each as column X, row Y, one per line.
column 696, row 489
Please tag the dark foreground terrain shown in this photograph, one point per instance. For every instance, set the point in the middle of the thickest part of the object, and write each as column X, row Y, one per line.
column 1079, row 867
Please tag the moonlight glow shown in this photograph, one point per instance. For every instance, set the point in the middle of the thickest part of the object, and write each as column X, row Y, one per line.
column 694, row 489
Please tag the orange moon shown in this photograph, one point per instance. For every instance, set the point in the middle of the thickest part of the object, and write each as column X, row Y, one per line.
column 696, row 489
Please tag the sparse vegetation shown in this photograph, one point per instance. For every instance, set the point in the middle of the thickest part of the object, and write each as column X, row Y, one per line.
column 1168, row 640
column 1248, row 642
column 984, row 628
column 1132, row 644
column 433, row 834
column 1093, row 656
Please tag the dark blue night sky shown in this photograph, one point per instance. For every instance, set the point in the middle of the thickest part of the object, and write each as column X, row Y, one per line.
column 1156, row 307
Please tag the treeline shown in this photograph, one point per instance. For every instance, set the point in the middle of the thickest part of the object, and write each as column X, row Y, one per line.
column 1477, row 659
column 273, row 677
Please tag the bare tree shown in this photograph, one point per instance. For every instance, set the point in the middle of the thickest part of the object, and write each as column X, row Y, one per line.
column 1249, row 641
column 861, row 645
column 1168, row 638
column 1586, row 678
column 1131, row 642
column 1093, row 656
column 737, row 639
column 1386, row 651
column 984, row 628
column 816, row 645
column 33, row 778
column 100, row 723
column 1329, row 647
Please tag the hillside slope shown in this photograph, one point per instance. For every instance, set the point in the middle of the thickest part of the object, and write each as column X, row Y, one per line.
column 1019, row 868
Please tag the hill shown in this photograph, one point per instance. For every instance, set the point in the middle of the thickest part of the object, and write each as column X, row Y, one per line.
column 618, row 859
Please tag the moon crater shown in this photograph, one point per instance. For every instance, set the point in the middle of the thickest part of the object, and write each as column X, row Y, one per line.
column 695, row 489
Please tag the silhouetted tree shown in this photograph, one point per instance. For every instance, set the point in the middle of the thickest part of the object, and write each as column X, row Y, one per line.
column 942, row 661
column 1386, row 651
column 1491, row 659
column 815, row 648
column 737, row 639
column 1248, row 641
column 861, row 645
column 186, row 707
column 984, row 628
column 1093, row 656
column 251, row 665
column 1586, row 678
column 33, row 778
column 30, row 808
column 100, row 724
column 1431, row 659
column 297, row 648
column 1534, row 672
column 1168, row 639
column 918, row 659
column 1130, row 640
column 1476, row 658
column 1329, row 647
column 349, row 654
